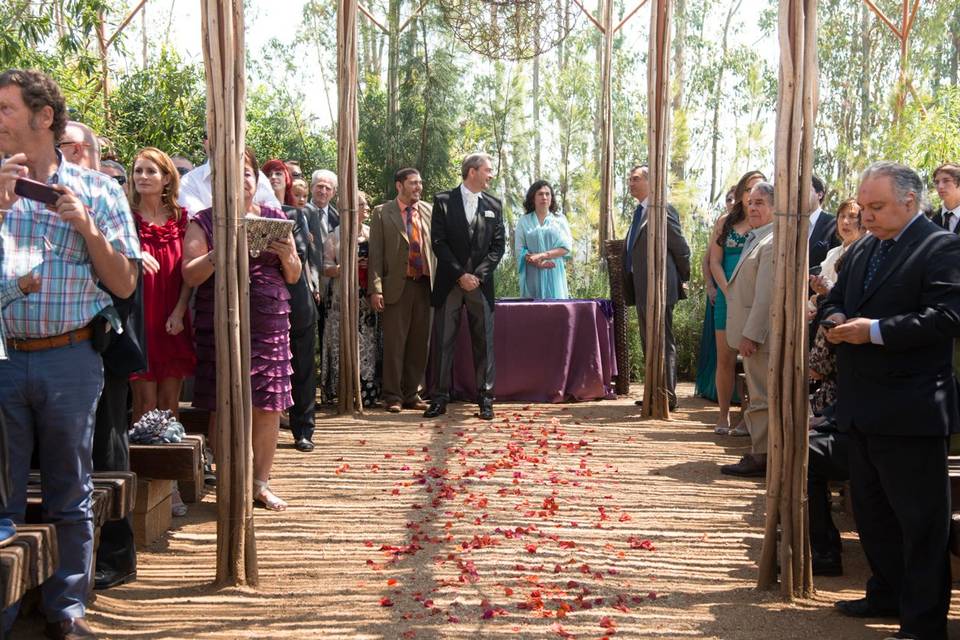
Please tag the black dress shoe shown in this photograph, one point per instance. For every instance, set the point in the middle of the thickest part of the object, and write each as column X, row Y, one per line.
column 435, row 409
column 749, row 466
column 107, row 579
column 69, row 629
column 304, row 445
column 827, row 564
column 639, row 403
column 862, row 608
column 486, row 409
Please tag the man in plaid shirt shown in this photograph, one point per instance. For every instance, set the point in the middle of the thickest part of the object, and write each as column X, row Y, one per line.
column 51, row 259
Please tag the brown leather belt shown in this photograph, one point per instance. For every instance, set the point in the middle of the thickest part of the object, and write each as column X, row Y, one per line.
column 53, row 342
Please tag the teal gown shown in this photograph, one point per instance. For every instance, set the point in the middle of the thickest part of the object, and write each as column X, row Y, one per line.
column 533, row 237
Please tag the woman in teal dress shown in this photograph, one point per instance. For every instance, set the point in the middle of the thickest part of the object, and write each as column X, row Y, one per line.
column 706, row 382
column 542, row 243
column 729, row 238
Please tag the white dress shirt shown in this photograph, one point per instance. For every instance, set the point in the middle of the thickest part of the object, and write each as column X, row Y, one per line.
column 471, row 201
column 197, row 185
column 813, row 221
column 953, row 219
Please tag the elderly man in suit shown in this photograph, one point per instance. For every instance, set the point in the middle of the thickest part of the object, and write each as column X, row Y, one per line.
column 749, row 292
column 322, row 218
column 635, row 270
column 896, row 305
column 401, row 268
column 468, row 241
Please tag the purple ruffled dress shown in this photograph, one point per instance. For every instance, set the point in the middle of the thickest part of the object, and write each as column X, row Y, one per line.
column 270, row 367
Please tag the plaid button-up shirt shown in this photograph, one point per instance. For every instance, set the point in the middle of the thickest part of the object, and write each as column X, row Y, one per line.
column 34, row 238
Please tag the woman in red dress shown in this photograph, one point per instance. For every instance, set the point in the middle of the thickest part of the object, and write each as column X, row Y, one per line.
column 161, row 224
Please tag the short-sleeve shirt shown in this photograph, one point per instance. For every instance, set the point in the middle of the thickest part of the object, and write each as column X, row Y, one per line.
column 33, row 238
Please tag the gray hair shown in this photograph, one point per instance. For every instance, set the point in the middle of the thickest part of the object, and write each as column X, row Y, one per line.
column 905, row 180
column 766, row 189
column 474, row 161
column 116, row 166
column 324, row 174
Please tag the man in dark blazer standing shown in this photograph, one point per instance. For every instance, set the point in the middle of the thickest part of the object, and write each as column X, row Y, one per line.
column 303, row 336
column 635, row 270
column 897, row 307
column 946, row 179
column 823, row 228
column 468, row 242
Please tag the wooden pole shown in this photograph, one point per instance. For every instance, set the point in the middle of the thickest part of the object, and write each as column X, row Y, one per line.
column 787, row 373
column 606, row 126
column 349, row 396
column 655, row 400
column 223, row 48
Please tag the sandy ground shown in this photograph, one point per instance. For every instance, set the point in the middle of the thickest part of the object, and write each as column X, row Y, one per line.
column 553, row 521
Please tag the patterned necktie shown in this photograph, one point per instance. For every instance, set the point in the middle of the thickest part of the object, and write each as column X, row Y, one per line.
column 415, row 255
column 876, row 261
column 632, row 235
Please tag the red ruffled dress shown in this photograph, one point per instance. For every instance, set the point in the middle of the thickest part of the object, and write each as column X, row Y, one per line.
column 167, row 356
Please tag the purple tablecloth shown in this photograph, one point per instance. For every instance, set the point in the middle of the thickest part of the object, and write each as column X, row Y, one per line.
column 546, row 351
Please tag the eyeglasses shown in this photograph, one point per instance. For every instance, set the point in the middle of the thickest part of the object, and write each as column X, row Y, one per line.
column 296, row 176
column 121, row 180
column 183, row 171
column 65, row 143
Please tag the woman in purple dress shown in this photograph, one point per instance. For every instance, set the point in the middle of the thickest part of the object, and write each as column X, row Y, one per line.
column 270, row 366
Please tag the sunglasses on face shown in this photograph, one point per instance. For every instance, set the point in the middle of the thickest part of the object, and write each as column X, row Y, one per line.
column 183, row 171
column 121, row 180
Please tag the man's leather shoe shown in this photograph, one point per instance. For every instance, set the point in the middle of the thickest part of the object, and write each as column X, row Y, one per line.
column 749, row 466
column 304, row 444
column 417, row 404
column 861, row 608
column 827, row 564
column 639, row 403
column 393, row 407
column 106, row 579
column 69, row 629
column 435, row 409
column 486, row 409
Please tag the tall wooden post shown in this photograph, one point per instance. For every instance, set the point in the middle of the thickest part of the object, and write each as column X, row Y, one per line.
column 349, row 398
column 655, row 400
column 223, row 49
column 787, row 373
column 606, row 125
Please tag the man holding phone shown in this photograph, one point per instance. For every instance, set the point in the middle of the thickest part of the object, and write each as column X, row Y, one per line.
column 53, row 376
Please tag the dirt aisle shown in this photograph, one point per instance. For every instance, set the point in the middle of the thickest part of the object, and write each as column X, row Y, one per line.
column 556, row 521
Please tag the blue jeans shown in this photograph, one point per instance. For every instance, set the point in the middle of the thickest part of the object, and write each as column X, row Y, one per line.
column 52, row 396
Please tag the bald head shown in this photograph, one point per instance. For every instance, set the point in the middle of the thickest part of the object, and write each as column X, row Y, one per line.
column 79, row 145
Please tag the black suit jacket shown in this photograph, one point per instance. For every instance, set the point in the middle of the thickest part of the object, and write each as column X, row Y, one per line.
column 456, row 252
column 678, row 262
column 937, row 219
column 904, row 387
column 823, row 238
column 303, row 310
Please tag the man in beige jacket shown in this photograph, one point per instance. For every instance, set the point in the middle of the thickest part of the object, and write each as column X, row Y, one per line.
column 401, row 269
column 749, row 291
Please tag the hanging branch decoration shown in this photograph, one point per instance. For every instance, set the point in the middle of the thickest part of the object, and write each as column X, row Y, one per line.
column 509, row 29
column 223, row 52
column 349, row 393
column 655, row 400
column 787, row 532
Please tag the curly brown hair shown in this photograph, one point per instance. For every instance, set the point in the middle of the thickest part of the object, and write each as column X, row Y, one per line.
column 39, row 90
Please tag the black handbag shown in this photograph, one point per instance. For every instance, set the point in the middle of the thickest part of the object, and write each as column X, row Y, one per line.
column 125, row 352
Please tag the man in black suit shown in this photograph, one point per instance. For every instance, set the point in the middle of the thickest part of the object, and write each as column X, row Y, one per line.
column 468, row 242
column 823, row 228
column 635, row 270
column 897, row 305
column 303, row 335
column 946, row 179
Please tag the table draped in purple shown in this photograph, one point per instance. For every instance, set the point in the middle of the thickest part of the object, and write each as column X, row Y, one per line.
column 546, row 351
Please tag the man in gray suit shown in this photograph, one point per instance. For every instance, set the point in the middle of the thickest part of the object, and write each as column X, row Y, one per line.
column 322, row 218
column 635, row 270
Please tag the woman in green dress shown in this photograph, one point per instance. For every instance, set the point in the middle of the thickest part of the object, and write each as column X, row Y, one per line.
column 730, row 235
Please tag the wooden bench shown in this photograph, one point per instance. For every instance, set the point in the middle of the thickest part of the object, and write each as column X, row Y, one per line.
column 180, row 461
column 27, row 562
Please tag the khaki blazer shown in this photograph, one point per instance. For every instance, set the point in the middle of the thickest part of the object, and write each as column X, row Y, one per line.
column 390, row 248
column 750, row 289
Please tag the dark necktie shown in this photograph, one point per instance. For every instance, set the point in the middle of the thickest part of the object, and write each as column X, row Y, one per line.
column 947, row 217
column 876, row 261
column 333, row 220
column 632, row 235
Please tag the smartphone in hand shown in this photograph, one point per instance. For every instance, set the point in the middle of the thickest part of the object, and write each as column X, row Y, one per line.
column 38, row 191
